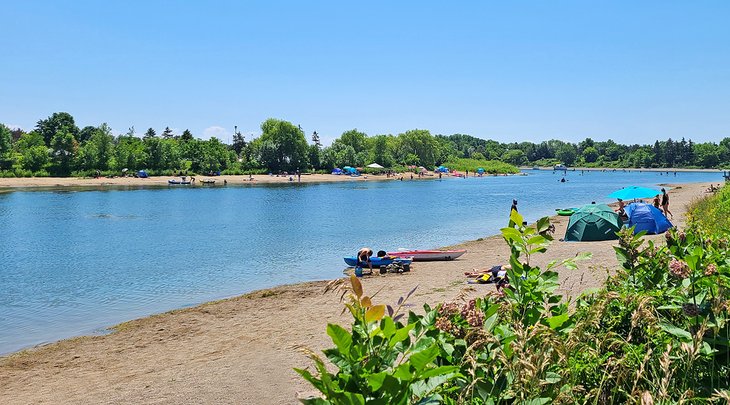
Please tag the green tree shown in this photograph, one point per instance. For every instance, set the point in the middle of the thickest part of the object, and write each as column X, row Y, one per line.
column 281, row 146
column 590, row 154
column 5, row 147
column 50, row 126
column 239, row 143
column 315, row 140
column 35, row 158
column 354, row 138
column 64, row 148
column 151, row 133
column 130, row 153
column 315, row 157
column 380, row 150
column 98, row 151
column 167, row 133
column 186, row 135
column 85, row 134
column 565, row 152
column 515, row 157
column 420, row 143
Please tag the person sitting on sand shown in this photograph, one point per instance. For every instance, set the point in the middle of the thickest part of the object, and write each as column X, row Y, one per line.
column 363, row 258
column 620, row 211
column 656, row 201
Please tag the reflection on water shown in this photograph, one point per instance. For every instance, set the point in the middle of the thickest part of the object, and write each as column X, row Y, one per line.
column 76, row 262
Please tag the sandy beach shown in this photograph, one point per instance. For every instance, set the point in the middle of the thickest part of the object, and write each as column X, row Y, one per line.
column 161, row 181
column 242, row 350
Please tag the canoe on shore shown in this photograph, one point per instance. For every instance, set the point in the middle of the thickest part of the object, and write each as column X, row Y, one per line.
column 379, row 261
column 566, row 212
column 429, row 255
column 178, row 182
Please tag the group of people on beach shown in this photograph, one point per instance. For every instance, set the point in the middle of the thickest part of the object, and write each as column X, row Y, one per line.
column 661, row 202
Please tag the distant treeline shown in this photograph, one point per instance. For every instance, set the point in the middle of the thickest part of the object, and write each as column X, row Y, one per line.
column 57, row 147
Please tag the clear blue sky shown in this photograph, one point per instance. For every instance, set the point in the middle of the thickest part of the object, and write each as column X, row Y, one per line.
column 632, row 71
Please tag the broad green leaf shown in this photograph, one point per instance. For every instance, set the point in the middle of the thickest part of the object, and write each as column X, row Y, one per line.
column 375, row 381
column 543, row 224
column 388, row 327
column 401, row 334
column 678, row 332
column 511, row 233
column 403, row 372
column 340, row 337
column 354, row 398
column 439, row 371
column 537, row 401
column 421, row 359
column 552, row 377
column 515, row 217
column 558, row 321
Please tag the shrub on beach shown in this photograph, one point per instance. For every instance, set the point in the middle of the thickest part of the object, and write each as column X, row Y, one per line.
column 489, row 166
column 656, row 333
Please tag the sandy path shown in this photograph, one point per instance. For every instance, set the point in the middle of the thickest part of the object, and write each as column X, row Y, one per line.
column 242, row 350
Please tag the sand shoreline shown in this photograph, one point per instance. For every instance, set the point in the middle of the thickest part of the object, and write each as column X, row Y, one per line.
column 243, row 349
column 23, row 183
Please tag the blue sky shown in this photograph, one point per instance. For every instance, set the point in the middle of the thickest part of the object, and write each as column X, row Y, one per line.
column 511, row 71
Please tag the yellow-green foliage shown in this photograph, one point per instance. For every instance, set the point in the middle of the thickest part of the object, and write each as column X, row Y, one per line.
column 489, row 166
column 711, row 212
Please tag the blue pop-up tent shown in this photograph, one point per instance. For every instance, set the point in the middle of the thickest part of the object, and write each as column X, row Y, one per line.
column 142, row 174
column 647, row 217
column 337, row 170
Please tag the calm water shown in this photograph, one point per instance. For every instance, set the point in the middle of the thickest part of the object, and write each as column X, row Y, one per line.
column 74, row 263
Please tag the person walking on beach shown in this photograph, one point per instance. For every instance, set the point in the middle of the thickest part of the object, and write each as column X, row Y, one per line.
column 656, row 201
column 665, row 204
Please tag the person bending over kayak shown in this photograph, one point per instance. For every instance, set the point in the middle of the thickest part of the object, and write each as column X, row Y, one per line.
column 363, row 258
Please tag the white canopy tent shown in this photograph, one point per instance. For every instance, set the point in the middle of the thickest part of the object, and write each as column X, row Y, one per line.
column 375, row 166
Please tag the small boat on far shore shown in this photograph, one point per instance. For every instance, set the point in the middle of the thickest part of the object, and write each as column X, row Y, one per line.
column 207, row 181
column 182, row 182
column 428, row 255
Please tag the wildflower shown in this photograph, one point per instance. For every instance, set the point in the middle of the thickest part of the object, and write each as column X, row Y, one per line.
column 472, row 315
column 449, row 309
column 668, row 236
column 691, row 309
column 711, row 269
column 682, row 236
column 679, row 268
column 445, row 324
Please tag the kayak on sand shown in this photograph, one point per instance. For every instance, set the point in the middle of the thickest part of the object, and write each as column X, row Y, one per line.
column 428, row 255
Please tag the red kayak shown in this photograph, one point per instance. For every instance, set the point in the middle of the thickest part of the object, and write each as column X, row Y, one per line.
column 429, row 255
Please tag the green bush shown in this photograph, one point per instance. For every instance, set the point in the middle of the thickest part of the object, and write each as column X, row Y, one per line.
column 489, row 166
column 656, row 333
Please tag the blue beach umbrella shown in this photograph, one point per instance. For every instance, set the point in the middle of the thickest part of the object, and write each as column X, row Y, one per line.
column 634, row 192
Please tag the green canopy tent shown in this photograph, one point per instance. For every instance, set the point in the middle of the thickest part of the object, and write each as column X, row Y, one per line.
column 593, row 222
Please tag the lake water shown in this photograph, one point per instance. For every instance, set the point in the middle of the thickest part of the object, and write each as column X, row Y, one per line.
column 76, row 262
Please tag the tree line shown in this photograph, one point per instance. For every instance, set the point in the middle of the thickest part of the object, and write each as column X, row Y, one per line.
column 58, row 147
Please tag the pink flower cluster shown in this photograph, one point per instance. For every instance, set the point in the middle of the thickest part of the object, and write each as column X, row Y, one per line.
column 711, row 269
column 472, row 315
column 679, row 268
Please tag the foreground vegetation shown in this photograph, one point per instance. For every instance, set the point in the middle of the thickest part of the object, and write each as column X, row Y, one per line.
column 56, row 146
column 656, row 333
